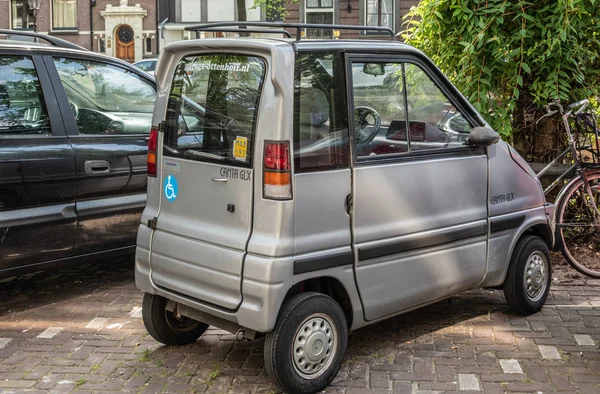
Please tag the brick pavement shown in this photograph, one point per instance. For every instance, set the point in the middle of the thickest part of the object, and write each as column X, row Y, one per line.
column 79, row 329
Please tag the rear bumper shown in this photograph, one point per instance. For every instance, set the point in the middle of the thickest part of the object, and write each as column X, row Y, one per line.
column 264, row 286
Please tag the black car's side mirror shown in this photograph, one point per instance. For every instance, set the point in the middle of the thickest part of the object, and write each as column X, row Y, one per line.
column 482, row 136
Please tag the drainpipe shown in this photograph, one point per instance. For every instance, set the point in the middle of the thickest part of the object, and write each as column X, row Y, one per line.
column 92, row 4
column 157, row 8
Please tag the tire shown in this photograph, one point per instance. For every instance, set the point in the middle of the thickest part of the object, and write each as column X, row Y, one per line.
column 327, row 332
column 580, row 244
column 530, row 263
column 165, row 326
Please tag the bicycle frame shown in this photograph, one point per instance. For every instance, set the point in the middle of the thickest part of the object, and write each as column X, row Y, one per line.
column 578, row 165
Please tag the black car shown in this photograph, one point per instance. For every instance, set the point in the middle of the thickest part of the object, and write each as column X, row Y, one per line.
column 74, row 127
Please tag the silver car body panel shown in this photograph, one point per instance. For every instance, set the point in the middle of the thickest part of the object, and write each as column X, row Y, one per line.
column 419, row 230
column 415, row 231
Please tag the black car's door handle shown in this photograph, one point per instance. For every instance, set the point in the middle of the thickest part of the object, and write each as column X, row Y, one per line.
column 97, row 167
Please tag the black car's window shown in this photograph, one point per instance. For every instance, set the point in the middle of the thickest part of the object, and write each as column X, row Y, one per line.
column 320, row 113
column 22, row 106
column 390, row 98
column 212, row 108
column 106, row 99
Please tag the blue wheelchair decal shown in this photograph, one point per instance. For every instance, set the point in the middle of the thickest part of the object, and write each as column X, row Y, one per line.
column 171, row 188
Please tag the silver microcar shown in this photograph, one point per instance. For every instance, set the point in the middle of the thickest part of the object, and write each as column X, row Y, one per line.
column 302, row 189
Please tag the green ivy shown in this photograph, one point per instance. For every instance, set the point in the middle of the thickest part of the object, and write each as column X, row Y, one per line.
column 509, row 55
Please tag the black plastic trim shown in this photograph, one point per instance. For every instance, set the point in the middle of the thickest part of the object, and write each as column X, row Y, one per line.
column 425, row 241
column 303, row 265
column 77, row 259
column 506, row 223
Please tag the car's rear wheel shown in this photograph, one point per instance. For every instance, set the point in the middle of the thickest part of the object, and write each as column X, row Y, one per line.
column 166, row 326
column 528, row 279
column 306, row 348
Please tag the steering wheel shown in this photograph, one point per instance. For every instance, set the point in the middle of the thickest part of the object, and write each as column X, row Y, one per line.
column 363, row 136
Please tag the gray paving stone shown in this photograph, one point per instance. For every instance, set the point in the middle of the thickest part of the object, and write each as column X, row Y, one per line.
column 468, row 382
column 511, row 366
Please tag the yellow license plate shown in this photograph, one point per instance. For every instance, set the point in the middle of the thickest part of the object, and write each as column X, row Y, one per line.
column 240, row 148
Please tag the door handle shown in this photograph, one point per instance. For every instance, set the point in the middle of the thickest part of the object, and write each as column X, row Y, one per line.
column 218, row 179
column 97, row 167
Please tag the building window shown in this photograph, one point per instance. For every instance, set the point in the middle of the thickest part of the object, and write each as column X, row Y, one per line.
column 148, row 45
column 319, row 3
column 22, row 15
column 380, row 13
column 64, row 15
column 319, row 12
column 101, row 45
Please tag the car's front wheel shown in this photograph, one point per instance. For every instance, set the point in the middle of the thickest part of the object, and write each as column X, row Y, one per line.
column 307, row 346
column 528, row 279
column 167, row 327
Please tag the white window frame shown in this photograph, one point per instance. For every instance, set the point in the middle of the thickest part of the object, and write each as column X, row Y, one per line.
column 62, row 29
column 319, row 10
column 366, row 17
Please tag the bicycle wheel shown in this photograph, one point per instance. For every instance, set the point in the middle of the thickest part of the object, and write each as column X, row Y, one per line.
column 578, row 226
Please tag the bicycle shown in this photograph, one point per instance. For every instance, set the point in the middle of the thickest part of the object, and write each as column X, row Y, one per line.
column 577, row 213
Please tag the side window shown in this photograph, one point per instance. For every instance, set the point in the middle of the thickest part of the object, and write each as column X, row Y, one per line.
column 320, row 121
column 22, row 106
column 106, row 99
column 379, row 109
column 384, row 93
column 434, row 122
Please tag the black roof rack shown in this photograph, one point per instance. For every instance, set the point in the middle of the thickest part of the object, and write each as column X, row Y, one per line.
column 232, row 30
column 55, row 41
column 298, row 26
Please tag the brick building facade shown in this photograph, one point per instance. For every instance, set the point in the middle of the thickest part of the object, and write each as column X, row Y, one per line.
column 178, row 14
column 388, row 13
column 128, row 29
column 92, row 24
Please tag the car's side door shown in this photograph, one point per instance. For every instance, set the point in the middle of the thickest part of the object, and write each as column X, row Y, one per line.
column 419, row 197
column 108, row 113
column 37, row 169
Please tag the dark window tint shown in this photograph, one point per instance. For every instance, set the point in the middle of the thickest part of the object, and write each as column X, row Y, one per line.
column 22, row 107
column 321, row 121
column 212, row 109
column 106, row 99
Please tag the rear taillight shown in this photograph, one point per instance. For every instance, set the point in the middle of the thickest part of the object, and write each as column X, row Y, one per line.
column 277, row 177
column 152, row 143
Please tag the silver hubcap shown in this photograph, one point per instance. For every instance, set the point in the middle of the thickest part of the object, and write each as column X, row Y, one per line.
column 315, row 345
column 536, row 276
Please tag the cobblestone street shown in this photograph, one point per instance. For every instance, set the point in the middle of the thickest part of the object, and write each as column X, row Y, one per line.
column 79, row 329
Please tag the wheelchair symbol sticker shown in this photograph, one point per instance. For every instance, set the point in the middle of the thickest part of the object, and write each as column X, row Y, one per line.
column 171, row 188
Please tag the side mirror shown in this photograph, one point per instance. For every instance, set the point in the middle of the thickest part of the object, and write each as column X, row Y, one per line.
column 483, row 136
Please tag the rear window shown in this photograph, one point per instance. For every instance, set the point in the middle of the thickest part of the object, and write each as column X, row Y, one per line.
column 212, row 108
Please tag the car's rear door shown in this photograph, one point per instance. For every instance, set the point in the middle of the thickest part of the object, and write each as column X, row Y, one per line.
column 206, row 177
column 37, row 169
column 107, row 110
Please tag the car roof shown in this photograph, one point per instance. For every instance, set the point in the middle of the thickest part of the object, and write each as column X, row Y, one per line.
column 300, row 45
column 46, row 49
